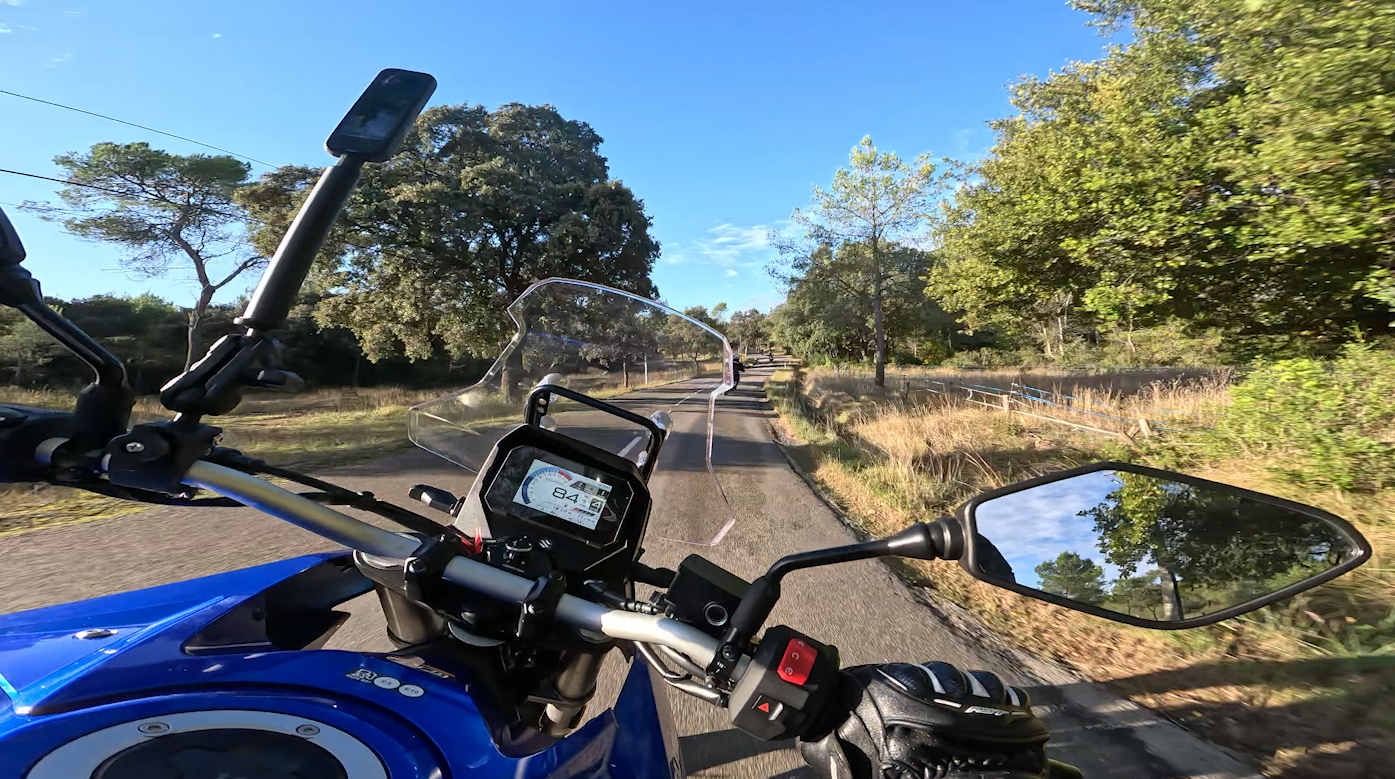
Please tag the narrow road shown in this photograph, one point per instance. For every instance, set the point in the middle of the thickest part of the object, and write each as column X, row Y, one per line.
column 860, row 607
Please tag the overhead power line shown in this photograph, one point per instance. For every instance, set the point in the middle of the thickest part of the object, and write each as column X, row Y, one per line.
column 148, row 198
column 69, row 182
column 140, row 126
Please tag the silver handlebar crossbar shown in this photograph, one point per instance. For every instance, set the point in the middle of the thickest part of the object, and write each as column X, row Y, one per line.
column 470, row 574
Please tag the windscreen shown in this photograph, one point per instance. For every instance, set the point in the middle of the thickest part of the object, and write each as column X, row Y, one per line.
column 633, row 353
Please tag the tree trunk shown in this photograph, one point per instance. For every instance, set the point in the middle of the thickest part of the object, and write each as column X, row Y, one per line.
column 195, row 349
column 878, row 332
column 625, row 368
column 1172, row 602
column 512, row 375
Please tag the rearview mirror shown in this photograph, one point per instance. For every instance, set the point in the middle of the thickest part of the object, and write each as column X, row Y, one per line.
column 1152, row 548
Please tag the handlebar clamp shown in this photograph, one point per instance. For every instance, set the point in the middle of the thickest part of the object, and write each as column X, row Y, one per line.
column 157, row 456
column 422, row 573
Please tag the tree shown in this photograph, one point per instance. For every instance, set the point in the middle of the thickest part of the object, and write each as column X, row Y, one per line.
column 856, row 231
column 1138, row 595
column 1205, row 538
column 831, row 305
column 749, row 328
column 1074, row 577
column 24, row 348
column 1228, row 168
column 164, row 210
column 476, row 206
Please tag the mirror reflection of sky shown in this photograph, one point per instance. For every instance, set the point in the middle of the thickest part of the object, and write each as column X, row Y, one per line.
column 1041, row 522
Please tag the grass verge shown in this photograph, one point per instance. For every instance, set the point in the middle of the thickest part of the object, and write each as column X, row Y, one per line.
column 1308, row 688
column 307, row 432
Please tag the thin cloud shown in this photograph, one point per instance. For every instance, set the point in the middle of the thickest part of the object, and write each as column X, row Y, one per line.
column 217, row 35
column 5, row 29
column 54, row 62
column 725, row 246
column 731, row 272
column 11, row 2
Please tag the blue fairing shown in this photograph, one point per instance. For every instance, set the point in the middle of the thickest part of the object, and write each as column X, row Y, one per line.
column 57, row 687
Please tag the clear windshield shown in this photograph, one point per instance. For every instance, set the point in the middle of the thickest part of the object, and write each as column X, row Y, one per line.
column 631, row 352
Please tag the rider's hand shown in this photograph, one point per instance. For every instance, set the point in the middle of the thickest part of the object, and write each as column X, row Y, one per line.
column 899, row 721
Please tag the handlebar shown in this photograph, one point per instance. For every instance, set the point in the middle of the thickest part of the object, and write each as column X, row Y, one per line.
column 475, row 576
column 463, row 571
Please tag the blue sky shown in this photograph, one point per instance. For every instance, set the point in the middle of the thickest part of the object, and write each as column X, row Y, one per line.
column 720, row 116
column 1040, row 523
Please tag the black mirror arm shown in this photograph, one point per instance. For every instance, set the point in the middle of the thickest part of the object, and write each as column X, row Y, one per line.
column 940, row 540
column 103, row 407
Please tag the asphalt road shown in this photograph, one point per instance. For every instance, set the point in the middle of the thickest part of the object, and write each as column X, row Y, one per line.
column 860, row 607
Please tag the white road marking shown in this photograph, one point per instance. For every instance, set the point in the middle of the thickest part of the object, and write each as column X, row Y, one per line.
column 631, row 445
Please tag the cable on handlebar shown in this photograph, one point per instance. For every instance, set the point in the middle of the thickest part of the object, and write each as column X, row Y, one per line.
column 332, row 494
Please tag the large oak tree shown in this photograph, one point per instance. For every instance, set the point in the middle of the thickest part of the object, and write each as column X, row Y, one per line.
column 476, row 206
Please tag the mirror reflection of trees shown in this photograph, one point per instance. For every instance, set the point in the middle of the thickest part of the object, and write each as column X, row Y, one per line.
column 1074, row 577
column 1151, row 547
column 1205, row 550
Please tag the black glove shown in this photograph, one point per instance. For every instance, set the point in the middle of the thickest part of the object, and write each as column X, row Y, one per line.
column 902, row 721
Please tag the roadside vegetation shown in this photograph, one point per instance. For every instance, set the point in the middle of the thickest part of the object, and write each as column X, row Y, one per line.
column 1304, row 685
column 308, row 432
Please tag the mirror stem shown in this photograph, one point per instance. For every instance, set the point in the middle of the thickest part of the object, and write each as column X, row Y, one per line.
column 103, row 407
column 942, row 539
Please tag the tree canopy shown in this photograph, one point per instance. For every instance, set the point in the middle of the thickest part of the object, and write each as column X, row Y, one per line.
column 857, row 235
column 476, row 206
column 1072, row 576
column 166, row 211
column 1230, row 168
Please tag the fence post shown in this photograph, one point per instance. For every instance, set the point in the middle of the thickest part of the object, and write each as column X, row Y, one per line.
column 1143, row 428
column 1007, row 403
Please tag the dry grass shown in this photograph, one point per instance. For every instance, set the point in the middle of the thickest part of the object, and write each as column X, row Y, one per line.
column 1286, row 685
column 312, row 430
column 307, row 431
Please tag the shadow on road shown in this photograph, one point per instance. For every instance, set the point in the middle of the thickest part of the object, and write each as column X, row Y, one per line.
column 1341, row 725
column 719, row 748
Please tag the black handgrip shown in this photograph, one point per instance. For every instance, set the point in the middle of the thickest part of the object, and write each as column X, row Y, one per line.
column 1061, row 770
column 435, row 498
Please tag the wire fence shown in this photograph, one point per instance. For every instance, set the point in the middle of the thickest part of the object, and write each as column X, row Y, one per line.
column 1055, row 406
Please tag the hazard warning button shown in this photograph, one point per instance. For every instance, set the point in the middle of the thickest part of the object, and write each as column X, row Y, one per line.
column 768, row 706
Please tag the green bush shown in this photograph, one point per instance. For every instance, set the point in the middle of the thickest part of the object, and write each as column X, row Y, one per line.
column 1321, row 423
column 1170, row 343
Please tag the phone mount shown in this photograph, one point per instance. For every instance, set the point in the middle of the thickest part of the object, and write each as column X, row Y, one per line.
column 370, row 132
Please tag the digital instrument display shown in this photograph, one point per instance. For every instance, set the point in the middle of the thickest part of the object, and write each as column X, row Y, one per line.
column 565, row 497
column 563, row 494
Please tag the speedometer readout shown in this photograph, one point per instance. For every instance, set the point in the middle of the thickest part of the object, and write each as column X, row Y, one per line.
column 563, row 494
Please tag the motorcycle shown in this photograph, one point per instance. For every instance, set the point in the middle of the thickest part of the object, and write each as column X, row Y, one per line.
column 504, row 601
